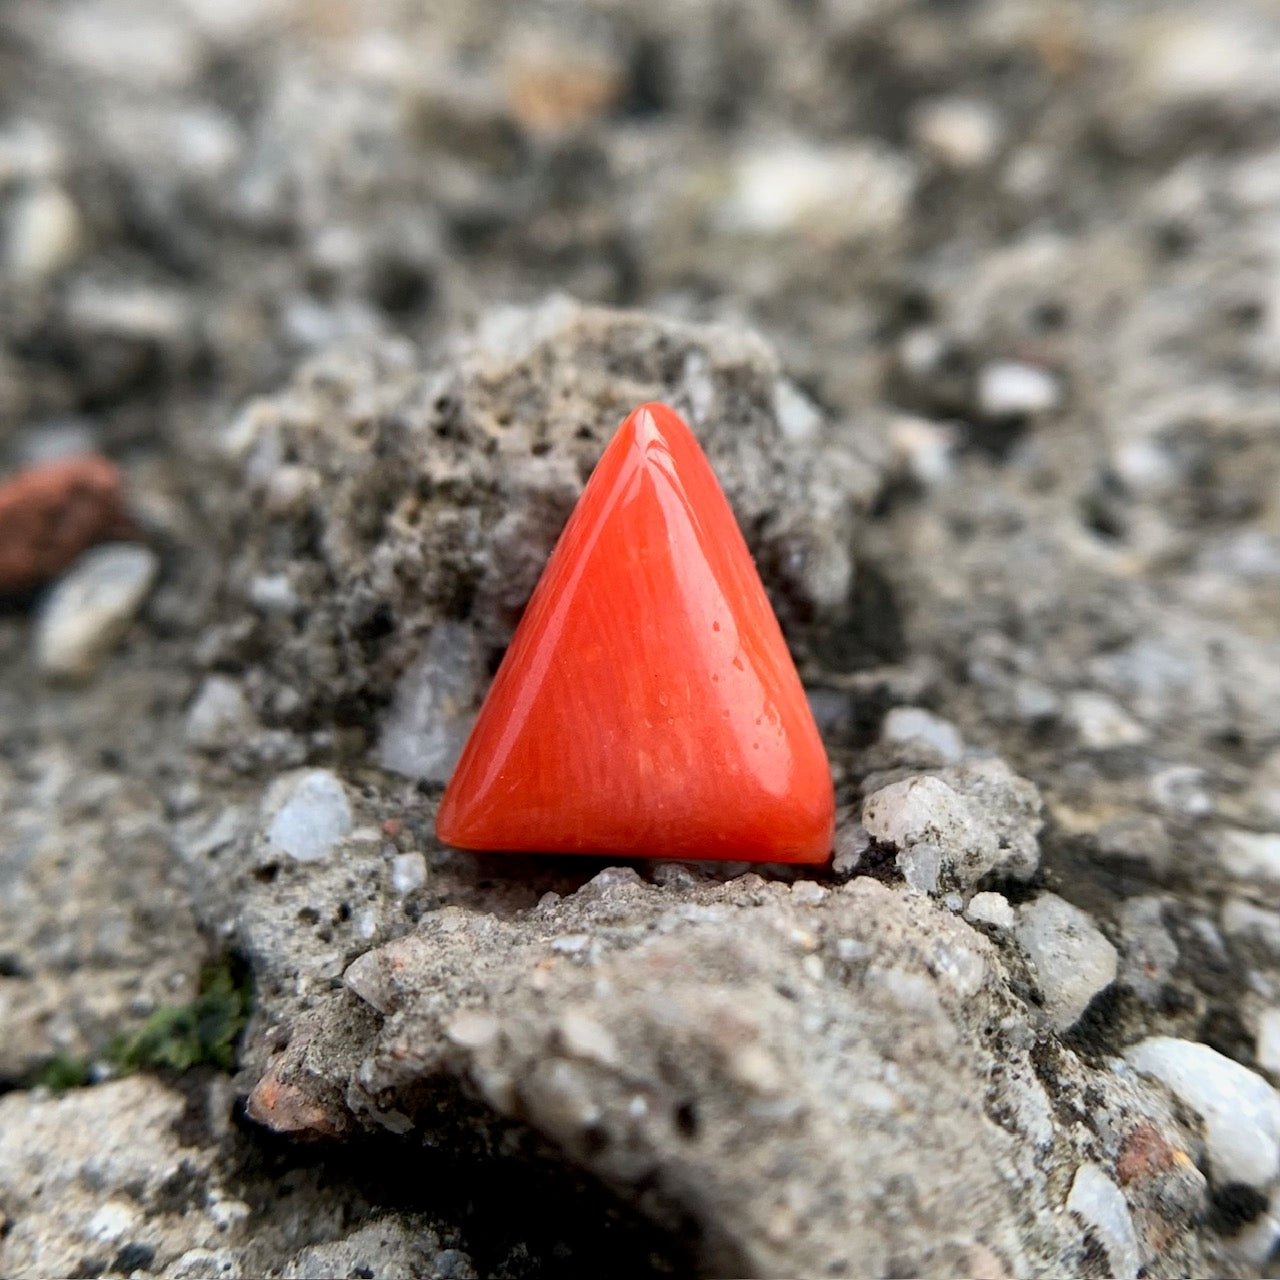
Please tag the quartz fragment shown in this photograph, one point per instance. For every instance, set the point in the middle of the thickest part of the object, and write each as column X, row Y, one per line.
column 1073, row 960
column 313, row 815
column 91, row 608
column 1100, row 1204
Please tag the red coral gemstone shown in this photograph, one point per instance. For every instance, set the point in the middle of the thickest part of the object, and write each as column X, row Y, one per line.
column 647, row 705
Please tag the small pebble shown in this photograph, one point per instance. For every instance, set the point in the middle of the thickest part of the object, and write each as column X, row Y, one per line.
column 1250, row 855
column 798, row 417
column 925, row 450
column 1101, row 722
column 844, row 192
column 89, row 610
column 1073, row 960
column 434, row 707
column 314, row 816
column 921, row 865
column 962, row 133
column 273, row 593
column 453, row 1264
column 115, row 1219
column 1101, row 1206
column 51, row 513
column 408, row 872
column 924, row 810
column 1268, row 1042
column 914, row 724
column 852, row 842
column 990, row 909
column 1250, row 923
column 46, row 234
column 1240, row 1110
column 807, row 892
column 1149, row 951
column 1007, row 389
column 219, row 717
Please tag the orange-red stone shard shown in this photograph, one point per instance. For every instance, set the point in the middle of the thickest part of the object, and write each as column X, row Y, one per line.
column 647, row 705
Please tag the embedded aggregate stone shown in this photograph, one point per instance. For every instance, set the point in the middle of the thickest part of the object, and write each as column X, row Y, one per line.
column 91, row 607
column 1073, row 959
column 1240, row 1110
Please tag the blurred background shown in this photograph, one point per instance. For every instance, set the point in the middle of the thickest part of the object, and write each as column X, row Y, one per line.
column 905, row 196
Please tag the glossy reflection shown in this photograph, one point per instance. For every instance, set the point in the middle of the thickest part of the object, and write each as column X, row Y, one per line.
column 647, row 705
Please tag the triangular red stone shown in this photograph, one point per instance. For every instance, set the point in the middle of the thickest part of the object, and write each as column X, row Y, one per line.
column 647, row 705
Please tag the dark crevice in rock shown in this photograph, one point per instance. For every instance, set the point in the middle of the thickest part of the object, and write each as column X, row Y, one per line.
column 521, row 1215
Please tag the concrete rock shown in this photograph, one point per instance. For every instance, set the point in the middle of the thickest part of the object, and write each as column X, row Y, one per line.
column 684, row 1025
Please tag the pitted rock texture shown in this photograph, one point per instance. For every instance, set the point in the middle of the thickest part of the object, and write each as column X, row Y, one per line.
column 766, row 1061
column 383, row 499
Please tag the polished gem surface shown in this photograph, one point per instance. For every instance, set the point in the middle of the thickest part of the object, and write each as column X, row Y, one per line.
column 647, row 705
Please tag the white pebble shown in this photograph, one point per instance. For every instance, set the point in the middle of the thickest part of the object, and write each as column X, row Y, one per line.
column 925, row 450
column 88, row 611
column 206, row 1264
column 1100, row 1204
column 219, row 717
column 914, row 724
column 273, row 593
column 314, row 816
column 844, row 192
column 808, row 892
column 431, row 715
column 115, row 1219
column 924, row 810
column 921, row 865
column 991, row 909
column 798, row 417
column 1268, row 1042
column 46, row 234
column 961, row 132
column 408, row 872
column 1240, row 1110
column 1073, row 959
column 1241, row 919
column 1182, row 789
column 1248, row 855
column 852, row 841
column 1008, row 389
column 1101, row 722
column 583, row 1037
column 1256, row 1241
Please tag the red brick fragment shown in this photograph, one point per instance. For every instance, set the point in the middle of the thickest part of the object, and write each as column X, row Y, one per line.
column 288, row 1107
column 51, row 513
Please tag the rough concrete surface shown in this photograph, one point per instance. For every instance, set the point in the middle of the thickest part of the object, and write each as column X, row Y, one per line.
column 976, row 310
